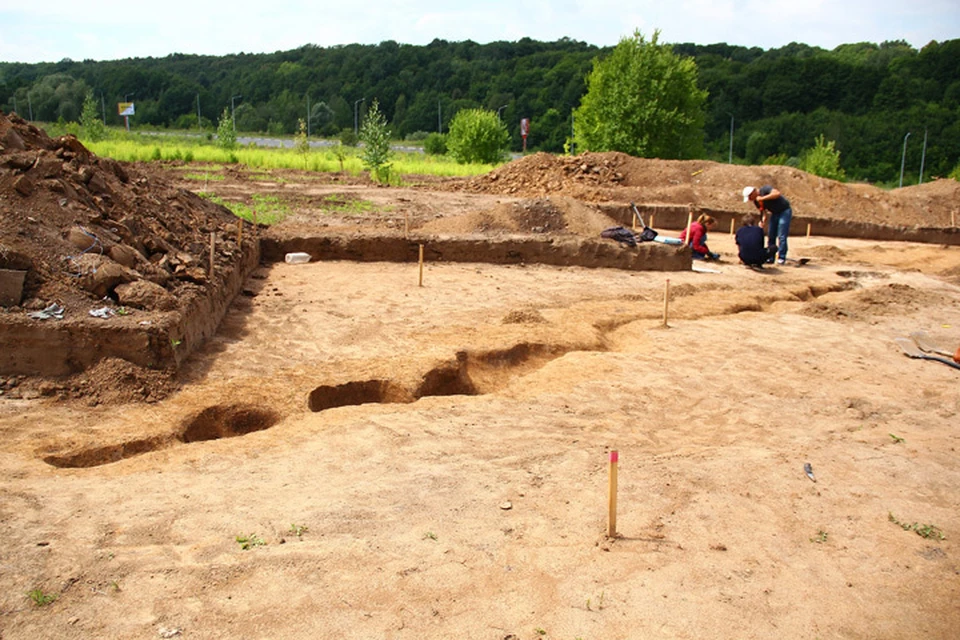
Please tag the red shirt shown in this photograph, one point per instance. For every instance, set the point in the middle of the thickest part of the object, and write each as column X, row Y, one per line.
column 698, row 237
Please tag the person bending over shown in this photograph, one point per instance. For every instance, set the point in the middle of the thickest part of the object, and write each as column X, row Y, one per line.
column 698, row 238
column 772, row 204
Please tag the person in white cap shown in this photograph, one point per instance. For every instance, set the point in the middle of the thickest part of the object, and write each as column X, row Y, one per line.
column 776, row 209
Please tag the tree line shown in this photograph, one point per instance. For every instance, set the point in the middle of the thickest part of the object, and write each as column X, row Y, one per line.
column 865, row 98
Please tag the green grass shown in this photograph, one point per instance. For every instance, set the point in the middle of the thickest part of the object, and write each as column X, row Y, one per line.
column 40, row 598
column 139, row 147
column 270, row 209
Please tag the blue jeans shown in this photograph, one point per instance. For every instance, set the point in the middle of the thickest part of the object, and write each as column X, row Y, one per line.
column 779, row 230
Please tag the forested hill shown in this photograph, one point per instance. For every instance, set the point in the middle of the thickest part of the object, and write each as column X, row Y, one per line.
column 864, row 96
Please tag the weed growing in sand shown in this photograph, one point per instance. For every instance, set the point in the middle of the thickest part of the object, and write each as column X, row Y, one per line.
column 820, row 538
column 896, row 439
column 599, row 602
column 540, row 631
column 298, row 530
column 429, row 535
column 250, row 541
column 40, row 598
column 922, row 530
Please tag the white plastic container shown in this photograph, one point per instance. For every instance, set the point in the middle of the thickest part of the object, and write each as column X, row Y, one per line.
column 297, row 258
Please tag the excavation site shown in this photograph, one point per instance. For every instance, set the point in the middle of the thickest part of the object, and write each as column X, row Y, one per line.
column 393, row 412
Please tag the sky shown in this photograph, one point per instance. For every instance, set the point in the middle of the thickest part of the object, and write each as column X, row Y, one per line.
column 51, row 30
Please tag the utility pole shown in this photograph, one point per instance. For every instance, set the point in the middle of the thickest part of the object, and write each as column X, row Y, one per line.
column 923, row 156
column 356, row 116
column 308, row 115
column 730, row 159
column 233, row 115
column 903, row 157
column 199, row 121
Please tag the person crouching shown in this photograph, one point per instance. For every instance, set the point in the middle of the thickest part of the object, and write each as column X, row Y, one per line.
column 750, row 242
column 698, row 237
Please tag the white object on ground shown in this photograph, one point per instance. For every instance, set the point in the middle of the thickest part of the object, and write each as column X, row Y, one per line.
column 297, row 258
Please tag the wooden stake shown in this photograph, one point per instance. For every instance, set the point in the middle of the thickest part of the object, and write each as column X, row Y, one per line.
column 808, row 231
column 731, row 226
column 651, row 221
column 612, row 501
column 689, row 224
column 213, row 238
column 421, row 265
column 666, row 301
column 634, row 220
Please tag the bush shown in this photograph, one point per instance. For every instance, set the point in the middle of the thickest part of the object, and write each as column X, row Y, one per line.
column 376, row 143
column 477, row 135
column 349, row 138
column 417, row 136
column 226, row 136
column 822, row 160
column 435, row 144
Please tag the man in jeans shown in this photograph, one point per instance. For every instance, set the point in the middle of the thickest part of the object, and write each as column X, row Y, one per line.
column 776, row 209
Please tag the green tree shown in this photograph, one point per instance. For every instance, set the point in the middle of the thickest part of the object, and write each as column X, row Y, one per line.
column 300, row 141
column 435, row 144
column 376, row 143
column 823, row 160
column 93, row 129
column 226, row 136
column 643, row 100
column 477, row 135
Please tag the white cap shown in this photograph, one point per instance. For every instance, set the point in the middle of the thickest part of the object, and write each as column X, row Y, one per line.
column 746, row 193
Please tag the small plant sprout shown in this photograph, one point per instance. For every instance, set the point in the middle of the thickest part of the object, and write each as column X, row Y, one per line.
column 540, row 631
column 40, row 598
column 250, row 541
column 430, row 535
column 820, row 538
column 298, row 529
column 175, row 343
column 922, row 530
column 896, row 439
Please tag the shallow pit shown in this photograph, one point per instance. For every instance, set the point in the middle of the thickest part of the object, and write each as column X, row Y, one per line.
column 227, row 421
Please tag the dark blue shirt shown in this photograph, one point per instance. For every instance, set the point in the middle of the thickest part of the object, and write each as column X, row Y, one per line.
column 750, row 241
column 777, row 205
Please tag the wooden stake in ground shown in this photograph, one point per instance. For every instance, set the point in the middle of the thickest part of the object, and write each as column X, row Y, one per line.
column 213, row 239
column 808, row 232
column 421, row 265
column 651, row 222
column 666, row 301
column 689, row 224
column 731, row 226
column 612, row 502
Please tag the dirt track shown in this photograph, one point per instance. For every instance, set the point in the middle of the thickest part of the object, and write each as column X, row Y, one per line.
column 442, row 452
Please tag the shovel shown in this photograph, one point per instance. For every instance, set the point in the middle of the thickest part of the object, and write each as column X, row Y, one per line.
column 912, row 351
column 923, row 341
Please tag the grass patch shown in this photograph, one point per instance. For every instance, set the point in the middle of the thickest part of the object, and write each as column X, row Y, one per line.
column 40, row 598
column 922, row 530
column 270, row 209
column 249, row 542
column 341, row 204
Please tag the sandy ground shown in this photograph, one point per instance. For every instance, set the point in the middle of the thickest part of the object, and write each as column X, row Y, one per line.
column 484, row 514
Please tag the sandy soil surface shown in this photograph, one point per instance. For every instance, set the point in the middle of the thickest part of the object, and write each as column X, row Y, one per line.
column 433, row 461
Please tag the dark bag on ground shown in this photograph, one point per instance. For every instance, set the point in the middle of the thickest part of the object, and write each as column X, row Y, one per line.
column 621, row 235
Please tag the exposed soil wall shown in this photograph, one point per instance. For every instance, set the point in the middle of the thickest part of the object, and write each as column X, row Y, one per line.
column 558, row 251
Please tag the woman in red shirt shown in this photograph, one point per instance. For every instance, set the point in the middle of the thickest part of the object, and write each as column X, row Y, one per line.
column 698, row 237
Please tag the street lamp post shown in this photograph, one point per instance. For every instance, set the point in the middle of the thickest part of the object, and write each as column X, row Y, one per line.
column 923, row 156
column 730, row 159
column 903, row 157
column 233, row 116
column 356, row 116
column 499, row 109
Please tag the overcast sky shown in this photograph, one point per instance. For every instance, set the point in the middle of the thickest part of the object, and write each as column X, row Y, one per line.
column 51, row 30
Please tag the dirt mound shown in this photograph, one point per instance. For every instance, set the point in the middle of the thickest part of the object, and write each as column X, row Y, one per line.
column 80, row 227
column 550, row 215
column 606, row 177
